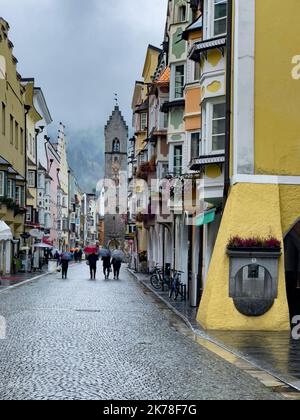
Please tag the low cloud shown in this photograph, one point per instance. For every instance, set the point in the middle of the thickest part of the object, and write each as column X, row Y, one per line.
column 80, row 53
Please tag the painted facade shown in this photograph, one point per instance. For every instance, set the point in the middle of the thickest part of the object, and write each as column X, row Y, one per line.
column 53, row 170
column 12, row 152
column 63, row 195
column 32, row 120
column 145, row 121
column 43, row 178
column 263, row 198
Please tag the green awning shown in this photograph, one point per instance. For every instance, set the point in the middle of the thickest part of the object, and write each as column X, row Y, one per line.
column 206, row 218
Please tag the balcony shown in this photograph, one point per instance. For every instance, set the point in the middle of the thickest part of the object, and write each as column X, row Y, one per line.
column 146, row 169
column 7, row 204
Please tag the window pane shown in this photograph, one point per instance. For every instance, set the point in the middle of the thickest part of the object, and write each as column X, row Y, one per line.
column 197, row 71
column 219, row 111
column 177, row 160
column 218, row 143
column 221, row 27
column 220, row 17
column 219, row 126
column 220, row 10
column 179, row 81
column 195, row 145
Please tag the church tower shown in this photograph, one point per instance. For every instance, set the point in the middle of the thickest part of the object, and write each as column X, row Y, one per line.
column 116, row 136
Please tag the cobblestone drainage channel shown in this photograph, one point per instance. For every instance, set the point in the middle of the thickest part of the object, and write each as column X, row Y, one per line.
column 182, row 325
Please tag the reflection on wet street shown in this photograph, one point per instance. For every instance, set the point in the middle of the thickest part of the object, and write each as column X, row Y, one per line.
column 277, row 353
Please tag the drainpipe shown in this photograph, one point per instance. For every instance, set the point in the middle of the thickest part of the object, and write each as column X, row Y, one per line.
column 27, row 109
column 228, row 102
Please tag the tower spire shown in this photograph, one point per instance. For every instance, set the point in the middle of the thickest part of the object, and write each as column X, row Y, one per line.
column 116, row 100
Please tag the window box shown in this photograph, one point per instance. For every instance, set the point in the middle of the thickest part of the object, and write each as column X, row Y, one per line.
column 253, row 277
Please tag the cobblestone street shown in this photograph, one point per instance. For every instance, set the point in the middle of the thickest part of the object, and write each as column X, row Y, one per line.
column 81, row 339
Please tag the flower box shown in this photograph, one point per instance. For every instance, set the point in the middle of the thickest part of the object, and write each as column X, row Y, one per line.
column 253, row 276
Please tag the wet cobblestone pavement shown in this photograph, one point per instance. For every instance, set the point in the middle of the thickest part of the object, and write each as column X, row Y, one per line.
column 81, row 339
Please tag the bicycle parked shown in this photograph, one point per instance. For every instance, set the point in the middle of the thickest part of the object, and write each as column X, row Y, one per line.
column 177, row 287
column 158, row 280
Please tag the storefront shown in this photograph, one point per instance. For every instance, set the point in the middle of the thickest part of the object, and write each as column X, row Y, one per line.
column 5, row 248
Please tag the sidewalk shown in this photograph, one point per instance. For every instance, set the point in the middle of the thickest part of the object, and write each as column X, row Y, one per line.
column 14, row 279
column 274, row 353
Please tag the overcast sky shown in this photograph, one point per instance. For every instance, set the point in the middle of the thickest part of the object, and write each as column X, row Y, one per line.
column 82, row 51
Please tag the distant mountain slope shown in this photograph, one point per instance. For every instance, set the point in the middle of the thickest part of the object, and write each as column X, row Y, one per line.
column 86, row 156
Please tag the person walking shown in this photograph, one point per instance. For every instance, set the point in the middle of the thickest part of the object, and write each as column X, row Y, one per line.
column 57, row 257
column 64, row 262
column 116, row 263
column 93, row 259
column 106, row 267
column 64, row 268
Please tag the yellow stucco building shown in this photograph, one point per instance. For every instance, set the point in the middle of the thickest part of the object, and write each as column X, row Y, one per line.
column 262, row 151
column 12, row 137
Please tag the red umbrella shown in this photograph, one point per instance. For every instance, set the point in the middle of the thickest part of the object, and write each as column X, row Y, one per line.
column 90, row 249
column 47, row 242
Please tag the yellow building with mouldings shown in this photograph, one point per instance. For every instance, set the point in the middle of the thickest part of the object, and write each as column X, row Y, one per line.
column 264, row 146
column 12, row 137
column 12, row 152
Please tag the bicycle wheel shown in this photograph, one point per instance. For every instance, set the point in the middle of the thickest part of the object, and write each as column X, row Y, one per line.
column 177, row 292
column 172, row 290
column 155, row 281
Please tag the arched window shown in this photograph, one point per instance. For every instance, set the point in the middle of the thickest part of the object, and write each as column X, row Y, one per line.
column 116, row 146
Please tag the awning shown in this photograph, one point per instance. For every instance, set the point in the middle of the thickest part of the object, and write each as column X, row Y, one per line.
column 206, row 218
column 5, row 232
column 43, row 246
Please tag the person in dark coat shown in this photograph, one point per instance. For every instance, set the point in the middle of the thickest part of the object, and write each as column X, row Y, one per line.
column 64, row 267
column 93, row 259
column 106, row 267
column 117, row 267
column 57, row 257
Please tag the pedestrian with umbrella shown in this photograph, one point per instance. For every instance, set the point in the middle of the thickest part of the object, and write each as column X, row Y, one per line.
column 92, row 261
column 117, row 259
column 105, row 255
column 64, row 262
